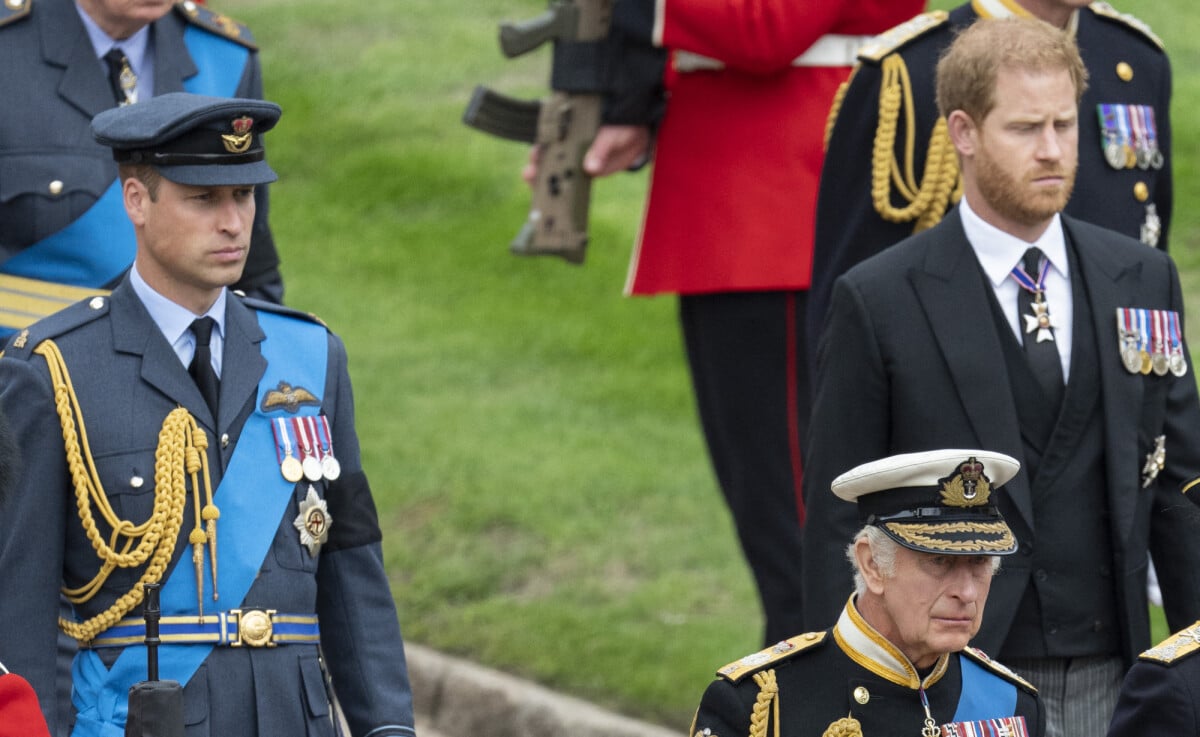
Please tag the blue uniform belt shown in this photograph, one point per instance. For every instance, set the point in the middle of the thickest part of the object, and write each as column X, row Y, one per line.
column 234, row 628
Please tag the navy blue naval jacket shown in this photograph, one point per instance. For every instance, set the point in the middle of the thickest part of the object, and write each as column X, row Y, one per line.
column 804, row 685
column 127, row 379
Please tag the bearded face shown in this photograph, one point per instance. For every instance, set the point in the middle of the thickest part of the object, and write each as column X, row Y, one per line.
column 1020, row 162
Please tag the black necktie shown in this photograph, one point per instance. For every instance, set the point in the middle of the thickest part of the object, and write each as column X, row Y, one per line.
column 121, row 77
column 1042, row 354
column 201, row 368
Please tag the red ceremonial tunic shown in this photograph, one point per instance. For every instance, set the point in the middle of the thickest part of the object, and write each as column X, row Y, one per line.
column 734, row 183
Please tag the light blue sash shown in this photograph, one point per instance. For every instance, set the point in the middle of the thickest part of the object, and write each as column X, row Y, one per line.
column 99, row 245
column 984, row 694
column 296, row 352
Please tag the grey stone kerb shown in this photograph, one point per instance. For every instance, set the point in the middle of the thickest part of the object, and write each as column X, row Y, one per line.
column 461, row 699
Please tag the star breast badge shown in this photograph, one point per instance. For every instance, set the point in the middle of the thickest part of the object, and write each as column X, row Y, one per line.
column 313, row 522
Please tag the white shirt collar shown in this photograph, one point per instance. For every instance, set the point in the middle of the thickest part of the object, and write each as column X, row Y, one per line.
column 172, row 319
column 998, row 252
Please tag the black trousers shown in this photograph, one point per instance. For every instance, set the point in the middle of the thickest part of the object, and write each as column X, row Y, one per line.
column 751, row 384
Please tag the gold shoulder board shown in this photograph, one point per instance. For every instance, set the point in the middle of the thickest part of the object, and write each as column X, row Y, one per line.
column 1104, row 10
column 1002, row 670
column 1176, row 647
column 893, row 39
column 739, row 669
column 218, row 23
column 14, row 10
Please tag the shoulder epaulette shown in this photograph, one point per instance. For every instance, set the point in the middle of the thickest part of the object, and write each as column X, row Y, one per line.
column 64, row 321
column 265, row 306
column 218, row 23
column 739, row 669
column 1104, row 10
column 897, row 37
column 1176, row 647
column 14, row 10
column 1000, row 669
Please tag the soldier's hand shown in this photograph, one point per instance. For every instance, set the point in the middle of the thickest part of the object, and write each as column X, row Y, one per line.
column 616, row 148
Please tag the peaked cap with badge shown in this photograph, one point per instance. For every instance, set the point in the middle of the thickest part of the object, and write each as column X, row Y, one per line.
column 849, row 680
column 192, row 139
column 938, row 501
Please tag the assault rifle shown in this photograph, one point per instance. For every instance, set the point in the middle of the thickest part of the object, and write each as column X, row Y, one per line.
column 562, row 126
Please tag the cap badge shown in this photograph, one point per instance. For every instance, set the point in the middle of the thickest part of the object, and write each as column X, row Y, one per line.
column 240, row 141
column 967, row 488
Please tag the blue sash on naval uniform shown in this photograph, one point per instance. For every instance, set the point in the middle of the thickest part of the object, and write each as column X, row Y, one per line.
column 99, row 245
column 296, row 351
column 984, row 694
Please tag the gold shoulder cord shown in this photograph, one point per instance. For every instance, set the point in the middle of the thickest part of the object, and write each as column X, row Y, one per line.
column 768, row 696
column 836, row 107
column 181, row 446
column 940, row 183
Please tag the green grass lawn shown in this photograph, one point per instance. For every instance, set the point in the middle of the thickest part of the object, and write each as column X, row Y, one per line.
column 547, row 502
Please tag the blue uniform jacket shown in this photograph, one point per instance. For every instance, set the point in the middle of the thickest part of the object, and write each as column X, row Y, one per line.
column 127, row 379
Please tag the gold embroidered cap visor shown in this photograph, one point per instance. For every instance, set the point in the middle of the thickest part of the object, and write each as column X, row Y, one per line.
column 192, row 139
column 941, row 501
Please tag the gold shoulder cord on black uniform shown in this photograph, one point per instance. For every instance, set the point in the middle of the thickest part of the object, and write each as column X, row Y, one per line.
column 181, row 450
column 940, row 184
column 768, row 696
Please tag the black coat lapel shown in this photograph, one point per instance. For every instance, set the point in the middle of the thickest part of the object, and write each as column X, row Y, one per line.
column 950, row 288
column 1113, row 280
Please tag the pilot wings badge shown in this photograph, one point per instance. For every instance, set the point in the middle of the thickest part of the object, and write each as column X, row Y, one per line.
column 286, row 397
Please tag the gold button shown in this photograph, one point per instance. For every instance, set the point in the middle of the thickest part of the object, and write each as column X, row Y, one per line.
column 136, row 482
column 862, row 695
column 15, row 4
column 1141, row 192
column 1124, row 71
column 225, row 440
column 811, row 636
column 56, row 187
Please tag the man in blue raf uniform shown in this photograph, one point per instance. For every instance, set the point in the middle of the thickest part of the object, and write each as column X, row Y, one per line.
column 891, row 171
column 177, row 433
column 63, row 231
column 1162, row 690
column 897, row 661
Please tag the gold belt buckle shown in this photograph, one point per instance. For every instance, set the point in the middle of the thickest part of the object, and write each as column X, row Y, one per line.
column 255, row 627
